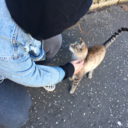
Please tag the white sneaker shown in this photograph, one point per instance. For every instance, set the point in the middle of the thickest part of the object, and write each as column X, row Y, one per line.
column 49, row 88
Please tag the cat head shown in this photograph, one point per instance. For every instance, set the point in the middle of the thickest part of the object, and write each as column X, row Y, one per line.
column 79, row 49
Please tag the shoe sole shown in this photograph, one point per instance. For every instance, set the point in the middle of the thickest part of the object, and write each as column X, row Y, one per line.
column 49, row 90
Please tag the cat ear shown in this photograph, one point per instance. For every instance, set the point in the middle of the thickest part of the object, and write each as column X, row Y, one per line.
column 84, row 48
column 81, row 40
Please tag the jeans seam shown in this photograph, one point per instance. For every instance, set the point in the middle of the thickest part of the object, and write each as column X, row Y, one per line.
column 14, row 42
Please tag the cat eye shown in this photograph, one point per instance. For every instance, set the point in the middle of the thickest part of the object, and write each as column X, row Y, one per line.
column 73, row 45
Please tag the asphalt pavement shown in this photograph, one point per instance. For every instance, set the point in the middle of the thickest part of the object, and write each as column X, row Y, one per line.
column 101, row 102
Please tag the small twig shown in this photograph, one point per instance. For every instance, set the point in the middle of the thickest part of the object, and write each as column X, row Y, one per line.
column 82, row 30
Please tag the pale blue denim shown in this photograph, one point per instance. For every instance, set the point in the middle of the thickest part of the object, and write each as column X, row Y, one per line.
column 16, row 59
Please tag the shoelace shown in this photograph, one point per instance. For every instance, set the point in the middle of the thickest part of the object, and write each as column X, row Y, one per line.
column 49, row 86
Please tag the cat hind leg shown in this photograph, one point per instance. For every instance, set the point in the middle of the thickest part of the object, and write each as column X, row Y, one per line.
column 90, row 74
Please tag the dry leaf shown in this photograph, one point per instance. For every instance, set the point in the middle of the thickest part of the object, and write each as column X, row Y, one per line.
column 124, row 6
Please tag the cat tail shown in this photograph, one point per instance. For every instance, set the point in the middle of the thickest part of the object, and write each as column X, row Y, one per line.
column 113, row 37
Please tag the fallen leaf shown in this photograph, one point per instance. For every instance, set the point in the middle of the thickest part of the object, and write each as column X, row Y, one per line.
column 124, row 6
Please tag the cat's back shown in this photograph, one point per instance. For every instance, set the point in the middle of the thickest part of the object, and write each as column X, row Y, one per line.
column 95, row 56
column 98, row 50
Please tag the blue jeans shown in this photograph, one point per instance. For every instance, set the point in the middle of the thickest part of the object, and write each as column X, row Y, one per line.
column 19, row 52
column 14, row 99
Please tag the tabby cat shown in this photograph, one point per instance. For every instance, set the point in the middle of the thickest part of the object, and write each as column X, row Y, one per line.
column 92, row 57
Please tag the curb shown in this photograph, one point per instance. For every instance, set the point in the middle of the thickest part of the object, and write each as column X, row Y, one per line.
column 106, row 3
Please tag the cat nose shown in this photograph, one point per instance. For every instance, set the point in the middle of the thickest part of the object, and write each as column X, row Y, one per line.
column 71, row 44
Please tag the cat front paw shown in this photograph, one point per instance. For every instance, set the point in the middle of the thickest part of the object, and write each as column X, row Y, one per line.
column 89, row 76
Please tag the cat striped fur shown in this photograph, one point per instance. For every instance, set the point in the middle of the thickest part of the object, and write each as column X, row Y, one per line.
column 92, row 57
column 113, row 37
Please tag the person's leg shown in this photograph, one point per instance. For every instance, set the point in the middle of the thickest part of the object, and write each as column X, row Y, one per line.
column 14, row 104
column 51, row 47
